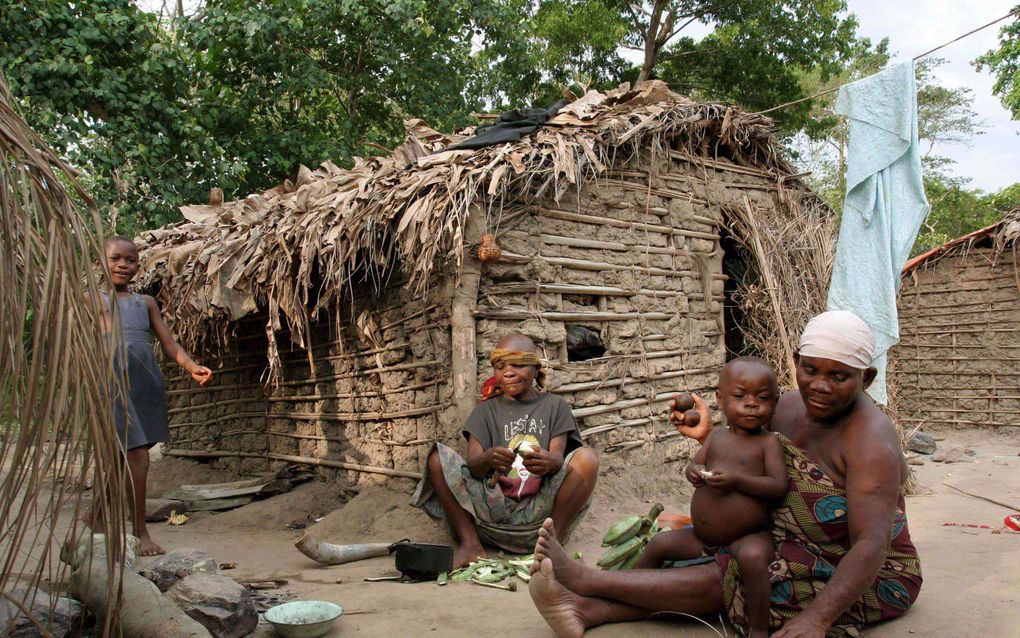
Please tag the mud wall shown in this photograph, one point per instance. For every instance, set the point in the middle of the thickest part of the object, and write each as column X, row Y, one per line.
column 958, row 361
column 636, row 258
column 375, row 395
column 226, row 420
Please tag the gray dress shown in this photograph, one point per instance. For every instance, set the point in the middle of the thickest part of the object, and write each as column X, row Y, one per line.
column 139, row 409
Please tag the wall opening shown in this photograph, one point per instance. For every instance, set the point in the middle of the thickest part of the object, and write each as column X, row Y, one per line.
column 583, row 343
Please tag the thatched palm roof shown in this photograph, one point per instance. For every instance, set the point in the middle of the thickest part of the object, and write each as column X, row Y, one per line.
column 1002, row 234
column 333, row 228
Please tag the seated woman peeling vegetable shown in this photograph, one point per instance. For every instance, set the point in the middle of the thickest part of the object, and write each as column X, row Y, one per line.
column 525, row 463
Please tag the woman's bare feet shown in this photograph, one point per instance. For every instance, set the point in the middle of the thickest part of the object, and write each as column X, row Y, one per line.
column 466, row 554
column 148, row 547
column 559, row 606
column 568, row 571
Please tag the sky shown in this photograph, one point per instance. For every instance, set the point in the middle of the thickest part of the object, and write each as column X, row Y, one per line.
column 990, row 161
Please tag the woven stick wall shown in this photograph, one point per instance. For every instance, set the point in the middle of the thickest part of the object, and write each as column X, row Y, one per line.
column 958, row 361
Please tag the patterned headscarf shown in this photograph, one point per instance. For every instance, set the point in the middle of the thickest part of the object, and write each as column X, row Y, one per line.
column 515, row 357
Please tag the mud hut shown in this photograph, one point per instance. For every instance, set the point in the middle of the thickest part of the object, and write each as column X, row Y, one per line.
column 349, row 319
column 959, row 305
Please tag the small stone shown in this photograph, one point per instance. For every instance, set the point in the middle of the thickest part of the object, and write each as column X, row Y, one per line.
column 220, row 604
column 921, row 443
column 177, row 564
column 62, row 617
column 915, row 461
column 949, row 455
column 158, row 510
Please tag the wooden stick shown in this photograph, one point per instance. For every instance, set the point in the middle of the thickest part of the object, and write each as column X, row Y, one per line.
column 463, row 332
column 581, row 413
column 570, row 316
column 361, row 373
column 213, row 453
column 580, row 289
column 587, row 264
column 619, row 223
column 574, row 242
column 211, row 404
column 720, row 165
column 355, row 395
column 1012, row 507
column 220, row 419
column 960, row 421
column 355, row 416
column 356, row 467
column 610, row 383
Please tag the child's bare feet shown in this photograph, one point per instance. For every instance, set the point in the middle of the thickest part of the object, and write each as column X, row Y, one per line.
column 558, row 605
column 567, row 570
column 148, row 547
column 466, row 554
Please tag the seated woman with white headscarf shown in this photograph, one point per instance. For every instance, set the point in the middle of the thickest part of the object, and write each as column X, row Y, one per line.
column 842, row 555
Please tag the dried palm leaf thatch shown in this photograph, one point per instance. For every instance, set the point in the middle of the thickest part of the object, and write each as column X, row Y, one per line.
column 328, row 230
column 789, row 256
column 1007, row 238
column 56, row 422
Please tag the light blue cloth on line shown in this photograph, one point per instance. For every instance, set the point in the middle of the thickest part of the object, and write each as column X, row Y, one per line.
column 884, row 206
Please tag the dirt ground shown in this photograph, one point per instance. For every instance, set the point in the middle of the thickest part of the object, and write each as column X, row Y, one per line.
column 972, row 575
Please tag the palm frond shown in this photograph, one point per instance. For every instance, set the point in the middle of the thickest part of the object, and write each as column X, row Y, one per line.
column 56, row 422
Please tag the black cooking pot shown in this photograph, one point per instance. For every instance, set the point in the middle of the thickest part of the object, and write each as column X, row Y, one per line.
column 422, row 561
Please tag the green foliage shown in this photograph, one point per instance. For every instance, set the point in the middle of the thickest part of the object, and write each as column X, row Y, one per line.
column 1004, row 62
column 154, row 114
column 956, row 211
column 759, row 51
column 753, row 57
column 107, row 88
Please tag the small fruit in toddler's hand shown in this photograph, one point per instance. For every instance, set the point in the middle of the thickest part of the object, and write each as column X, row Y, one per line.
column 692, row 418
column 684, row 402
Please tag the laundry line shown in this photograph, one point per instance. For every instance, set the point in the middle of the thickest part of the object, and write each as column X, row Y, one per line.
column 915, row 58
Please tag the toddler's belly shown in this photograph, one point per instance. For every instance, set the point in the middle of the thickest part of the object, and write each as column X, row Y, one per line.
column 720, row 519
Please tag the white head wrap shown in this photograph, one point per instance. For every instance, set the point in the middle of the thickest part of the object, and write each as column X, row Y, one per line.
column 839, row 335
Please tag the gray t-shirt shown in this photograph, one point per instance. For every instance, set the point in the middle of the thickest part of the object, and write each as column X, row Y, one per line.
column 505, row 422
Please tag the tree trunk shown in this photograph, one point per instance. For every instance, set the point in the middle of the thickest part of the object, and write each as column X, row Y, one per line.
column 658, row 33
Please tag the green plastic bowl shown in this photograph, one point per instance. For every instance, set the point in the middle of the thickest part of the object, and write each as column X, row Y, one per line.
column 303, row 618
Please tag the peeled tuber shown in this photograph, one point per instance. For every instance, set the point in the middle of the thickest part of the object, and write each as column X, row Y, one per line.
column 692, row 418
column 684, row 402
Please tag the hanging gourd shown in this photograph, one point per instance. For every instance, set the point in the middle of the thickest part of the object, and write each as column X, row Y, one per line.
column 488, row 250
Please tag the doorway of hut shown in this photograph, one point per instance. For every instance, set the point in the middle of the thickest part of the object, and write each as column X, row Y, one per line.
column 735, row 269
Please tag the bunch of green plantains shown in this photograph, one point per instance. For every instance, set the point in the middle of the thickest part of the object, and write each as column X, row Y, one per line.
column 627, row 538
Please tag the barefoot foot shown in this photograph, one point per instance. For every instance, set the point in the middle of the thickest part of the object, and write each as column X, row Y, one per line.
column 568, row 571
column 466, row 554
column 558, row 605
column 148, row 547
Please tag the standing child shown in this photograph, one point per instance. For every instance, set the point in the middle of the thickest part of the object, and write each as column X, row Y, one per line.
column 140, row 408
column 736, row 473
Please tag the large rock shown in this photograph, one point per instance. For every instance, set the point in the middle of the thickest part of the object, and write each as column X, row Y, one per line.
column 159, row 509
column 61, row 617
column 922, row 443
column 177, row 564
column 219, row 603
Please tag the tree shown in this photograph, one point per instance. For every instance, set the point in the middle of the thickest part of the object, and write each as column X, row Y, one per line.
column 110, row 91
column 956, row 211
column 1004, row 62
column 154, row 113
column 752, row 57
